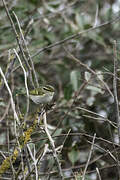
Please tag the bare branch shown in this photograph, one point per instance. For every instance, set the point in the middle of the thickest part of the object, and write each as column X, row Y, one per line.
column 90, row 153
column 52, row 145
column 11, row 99
column 116, row 103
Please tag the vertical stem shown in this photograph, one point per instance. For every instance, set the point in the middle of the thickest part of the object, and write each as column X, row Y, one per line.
column 116, row 103
column 52, row 146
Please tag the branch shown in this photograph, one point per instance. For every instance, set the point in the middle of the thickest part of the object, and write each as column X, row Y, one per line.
column 75, row 36
column 90, row 153
column 11, row 99
column 116, row 103
column 52, row 146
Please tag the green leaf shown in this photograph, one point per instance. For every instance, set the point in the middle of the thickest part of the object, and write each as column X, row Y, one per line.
column 50, row 36
column 74, row 156
column 97, row 38
column 68, row 92
column 79, row 177
column 58, row 132
column 95, row 89
column 74, row 79
column 79, row 21
column 87, row 76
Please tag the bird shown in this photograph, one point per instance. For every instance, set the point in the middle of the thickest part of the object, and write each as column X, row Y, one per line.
column 42, row 94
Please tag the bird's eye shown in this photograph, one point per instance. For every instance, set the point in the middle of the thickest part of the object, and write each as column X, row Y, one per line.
column 46, row 89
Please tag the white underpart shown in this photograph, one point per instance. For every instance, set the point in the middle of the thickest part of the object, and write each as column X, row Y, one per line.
column 42, row 99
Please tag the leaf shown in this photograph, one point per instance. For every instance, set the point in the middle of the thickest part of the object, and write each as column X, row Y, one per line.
column 68, row 92
column 74, row 156
column 50, row 36
column 95, row 89
column 87, row 76
column 97, row 38
column 58, row 132
column 83, row 21
column 90, row 101
column 79, row 21
column 74, row 79
column 100, row 75
column 79, row 177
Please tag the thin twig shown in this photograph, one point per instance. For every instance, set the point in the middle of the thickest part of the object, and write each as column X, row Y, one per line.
column 75, row 97
column 27, row 50
column 116, row 103
column 52, row 146
column 82, row 134
column 8, row 143
column 65, row 138
column 10, row 65
column 75, row 36
column 89, row 69
column 18, row 40
column 6, row 112
column 98, row 172
column 96, row 15
column 72, row 37
column 44, row 152
column 100, row 119
column 26, row 86
column 90, row 153
column 33, row 157
column 40, row 158
column 11, row 99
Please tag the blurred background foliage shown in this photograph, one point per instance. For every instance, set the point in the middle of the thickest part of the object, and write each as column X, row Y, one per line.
column 83, row 104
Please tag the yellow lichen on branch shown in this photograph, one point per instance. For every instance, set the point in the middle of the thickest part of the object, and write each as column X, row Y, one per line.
column 23, row 139
column 6, row 163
